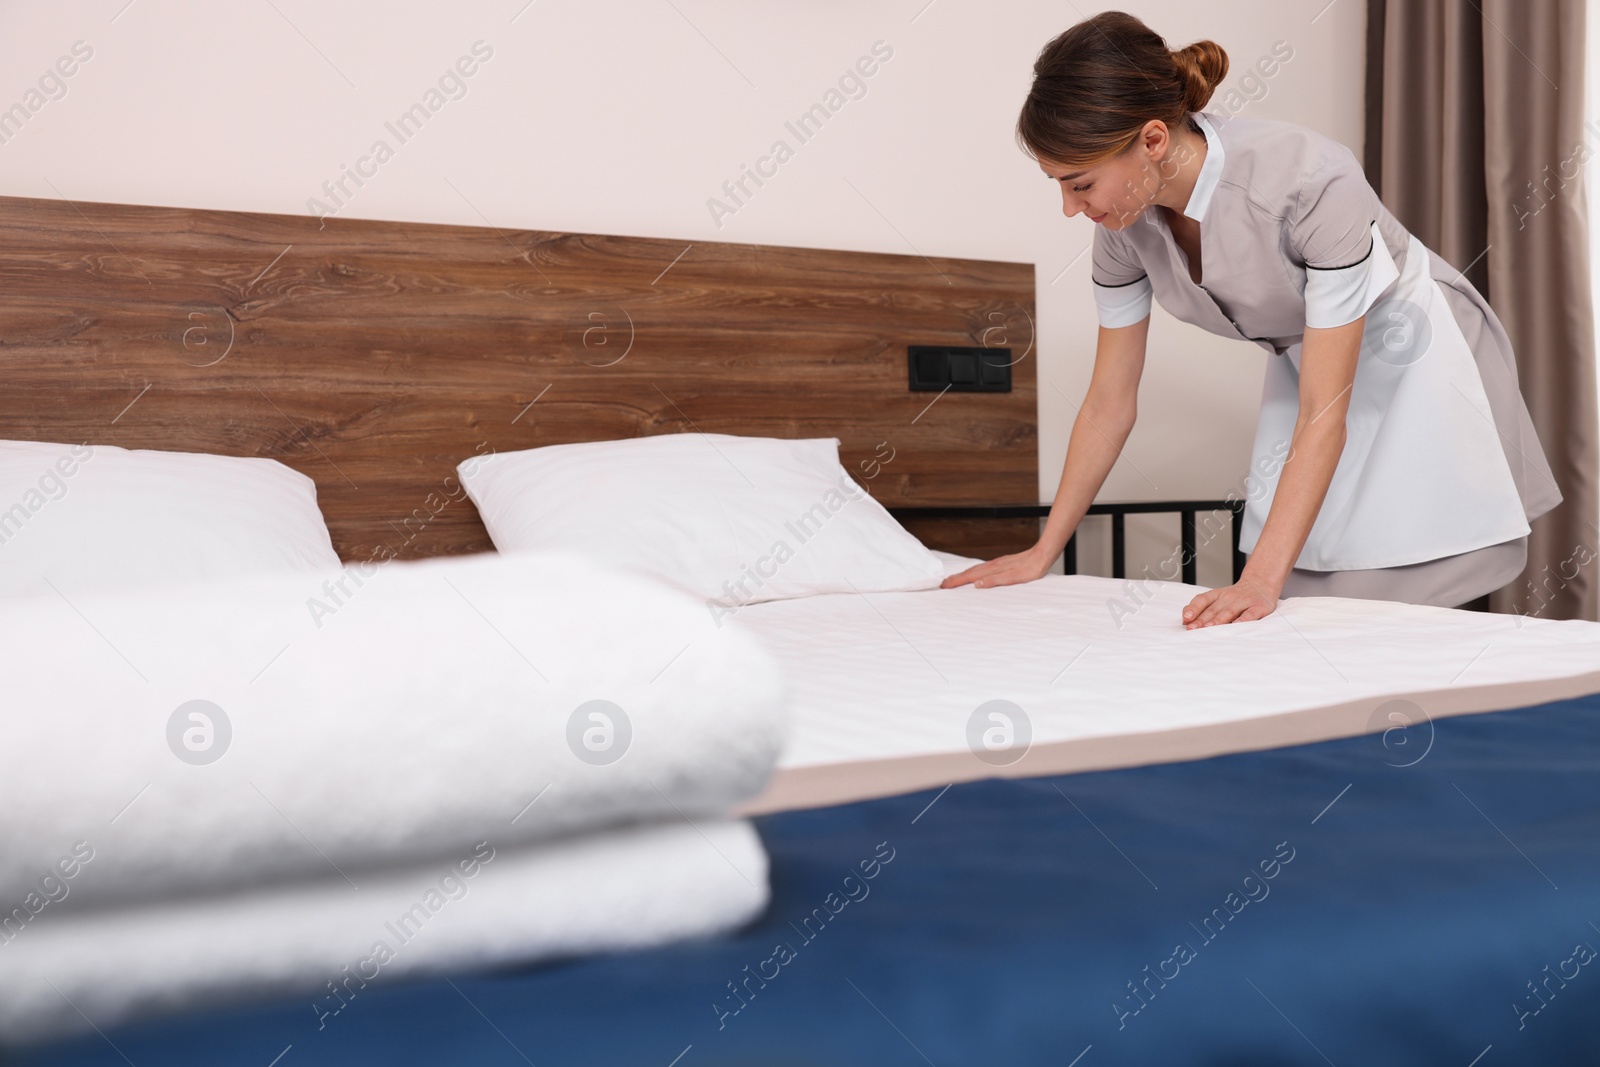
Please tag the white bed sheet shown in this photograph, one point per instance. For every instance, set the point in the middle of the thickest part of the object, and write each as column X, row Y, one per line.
column 886, row 675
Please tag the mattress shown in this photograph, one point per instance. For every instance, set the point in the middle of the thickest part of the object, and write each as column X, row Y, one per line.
column 893, row 691
column 895, row 697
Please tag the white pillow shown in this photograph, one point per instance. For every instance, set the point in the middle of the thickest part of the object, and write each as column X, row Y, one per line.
column 734, row 520
column 90, row 517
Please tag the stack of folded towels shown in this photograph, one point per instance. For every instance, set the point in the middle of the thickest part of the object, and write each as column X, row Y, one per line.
column 310, row 781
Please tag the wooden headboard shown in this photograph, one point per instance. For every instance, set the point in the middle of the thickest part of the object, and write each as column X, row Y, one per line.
column 375, row 356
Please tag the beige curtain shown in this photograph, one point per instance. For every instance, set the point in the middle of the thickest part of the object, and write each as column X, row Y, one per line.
column 1475, row 140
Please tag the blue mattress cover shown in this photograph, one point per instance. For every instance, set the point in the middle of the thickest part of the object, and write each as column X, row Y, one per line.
column 1418, row 899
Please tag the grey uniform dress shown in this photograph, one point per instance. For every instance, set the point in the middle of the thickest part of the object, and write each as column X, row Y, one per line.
column 1441, row 470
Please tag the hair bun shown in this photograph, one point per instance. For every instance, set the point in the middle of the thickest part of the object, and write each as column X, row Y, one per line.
column 1201, row 67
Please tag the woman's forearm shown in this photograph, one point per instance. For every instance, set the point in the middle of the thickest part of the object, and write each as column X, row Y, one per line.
column 1327, row 377
column 1303, row 483
column 1098, row 434
column 1099, row 431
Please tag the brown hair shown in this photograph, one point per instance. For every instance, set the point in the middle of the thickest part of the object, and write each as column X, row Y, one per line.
column 1097, row 84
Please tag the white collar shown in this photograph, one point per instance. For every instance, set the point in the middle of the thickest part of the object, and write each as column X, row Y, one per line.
column 1210, row 171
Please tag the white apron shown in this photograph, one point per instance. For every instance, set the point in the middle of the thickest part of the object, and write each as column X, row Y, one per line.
column 1423, row 474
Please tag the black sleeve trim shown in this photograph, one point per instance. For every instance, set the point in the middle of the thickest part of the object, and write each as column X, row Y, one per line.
column 1357, row 263
column 1120, row 285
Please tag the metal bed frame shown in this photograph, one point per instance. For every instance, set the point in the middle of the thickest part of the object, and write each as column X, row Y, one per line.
column 1186, row 510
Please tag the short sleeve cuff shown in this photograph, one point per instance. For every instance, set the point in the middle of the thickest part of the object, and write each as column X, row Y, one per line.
column 1123, row 305
column 1336, row 296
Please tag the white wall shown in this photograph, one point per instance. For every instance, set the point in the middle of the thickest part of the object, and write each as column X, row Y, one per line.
column 627, row 116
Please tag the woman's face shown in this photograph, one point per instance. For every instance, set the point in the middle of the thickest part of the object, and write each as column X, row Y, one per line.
column 1116, row 191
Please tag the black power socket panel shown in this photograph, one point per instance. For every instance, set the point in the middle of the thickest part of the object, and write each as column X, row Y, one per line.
column 960, row 369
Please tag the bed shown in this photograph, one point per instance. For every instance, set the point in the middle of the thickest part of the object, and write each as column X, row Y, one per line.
column 1034, row 824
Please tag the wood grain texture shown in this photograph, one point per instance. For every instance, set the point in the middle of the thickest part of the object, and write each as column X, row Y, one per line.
column 981, row 538
column 375, row 356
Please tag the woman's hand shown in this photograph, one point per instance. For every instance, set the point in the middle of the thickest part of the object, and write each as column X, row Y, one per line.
column 1245, row 600
column 1014, row 569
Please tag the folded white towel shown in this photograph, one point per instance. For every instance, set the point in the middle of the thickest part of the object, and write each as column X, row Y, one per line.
column 621, row 889
column 367, row 716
